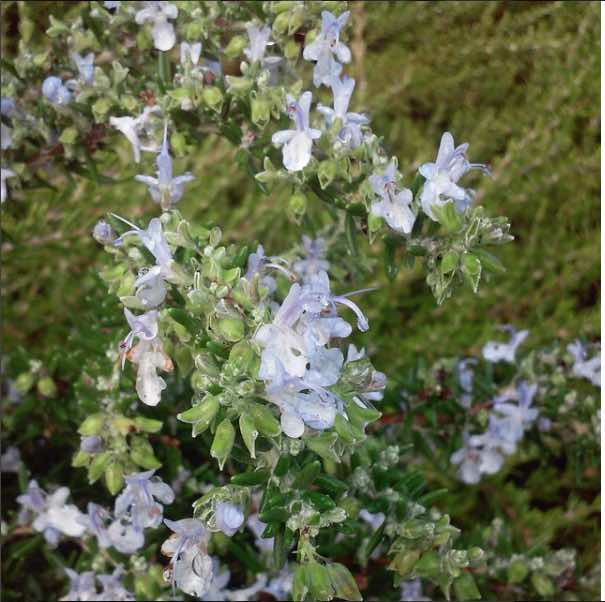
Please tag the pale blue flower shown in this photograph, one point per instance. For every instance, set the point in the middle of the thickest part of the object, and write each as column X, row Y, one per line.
column 411, row 591
column 350, row 133
column 257, row 526
column 159, row 13
column 113, row 588
column 91, row 445
column 589, row 369
column 258, row 261
column 150, row 287
column 314, row 260
column 515, row 418
column 297, row 144
column 191, row 567
column 228, row 518
column 124, row 536
column 465, row 379
column 374, row 520
column 217, row 591
column 394, row 204
column 138, row 500
column 280, row 586
column 52, row 516
column 326, row 48
column 164, row 189
column 103, row 233
column 494, row 351
column 81, row 585
column 153, row 239
column 5, row 174
column 10, row 460
column 442, row 177
column 55, row 91
column 143, row 327
column 480, row 454
column 95, row 522
column 259, row 40
column 85, row 66
column 133, row 128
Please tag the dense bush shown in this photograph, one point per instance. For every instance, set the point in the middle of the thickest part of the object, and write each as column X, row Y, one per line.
column 308, row 478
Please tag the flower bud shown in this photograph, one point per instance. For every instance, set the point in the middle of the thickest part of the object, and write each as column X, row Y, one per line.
column 47, row 387
column 291, row 50
column 320, row 584
column 141, row 453
column 98, row 466
column 114, row 478
column 297, row 205
column 201, row 415
column 231, row 328
column 517, row 571
column 235, row 47
column 24, row 382
column 92, row 425
column 344, row 584
column 238, row 86
column 281, row 23
column 212, row 97
column 261, row 111
column 249, row 432
column 264, row 420
column 103, row 233
column 327, row 172
column 223, row 442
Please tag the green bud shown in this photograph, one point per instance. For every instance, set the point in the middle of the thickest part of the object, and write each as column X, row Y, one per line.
column 47, row 387
column 323, row 445
column 92, row 425
column 517, row 571
column 147, row 425
column 261, row 111
column 264, row 420
column 200, row 381
column 447, row 216
column 465, row 588
column 238, row 86
column 296, row 20
column 178, row 143
column 24, row 382
column 327, row 172
column 320, row 584
column 471, row 269
column 122, row 424
column 297, row 205
column 100, row 109
column 300, row 589
column 344, row 584
column 543, row 585
column 141, row 453
column 114, row 478
column 291, row 50
column 80, row 459
column 404, row 562
column 280, row 6
column 449, row 263
column 231, row 328
column 194, row 30
column 347, row 431
column 249, row 432
column 212, row 97
column 351, row 506
column 235, row 47
column 223, row 442
column 57, row 28
column 361, row 416
column 243, row 358
column 97, row 467
column 201, row 415
column 69, row 135
column 281, row 23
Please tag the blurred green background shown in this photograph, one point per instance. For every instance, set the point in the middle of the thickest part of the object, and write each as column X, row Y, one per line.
column 519, row 81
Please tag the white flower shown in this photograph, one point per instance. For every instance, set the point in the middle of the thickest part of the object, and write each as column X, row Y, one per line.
column 150, row 357
column 10, row 460
column 325, row 47
column 54, row 90
column 143, row 327
column 297, row 143
column 314, row 260
column 514, row 419
column 191, row 567
column 158, row 13
column 5, row 174
column 190, row 52
column 465, row 379
column 228, row 518
column 394, row 206
column 374, row 520
column 132, row 128
column 165, row 189
column 81, row 586
column 504, row 352
column 150, row 287
column 264, row 544
column 259, row 40
column 478, row 456
column 350, row 132
column 589, row 369
column 124, row 536
column 153, row 239
column 85, row 66
column 442, row 177
column 411, row 591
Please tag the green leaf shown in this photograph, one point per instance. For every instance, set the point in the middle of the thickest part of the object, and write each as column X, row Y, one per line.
column 465, row 588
